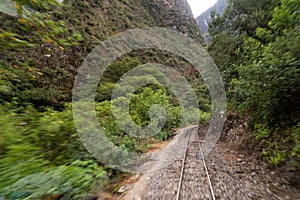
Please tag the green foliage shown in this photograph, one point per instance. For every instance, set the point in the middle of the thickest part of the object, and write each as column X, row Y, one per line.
column 41, row 154
column 19, row 83
column 40, row 25
column 269, row 75
column 27, row 41
column 280, row 146
column 260, row 65
column 296, row 139
column 13, row 145
column 262, row 132
column 139, row 105
column 75, row 181
column 45, row 44
column 240, row 20
column 275, row 155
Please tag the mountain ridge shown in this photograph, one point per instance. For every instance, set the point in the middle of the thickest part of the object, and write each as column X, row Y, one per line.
column 205, row 18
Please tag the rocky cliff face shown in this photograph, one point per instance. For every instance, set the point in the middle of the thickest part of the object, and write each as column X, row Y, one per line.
column 174, row 14
column 205, row 18
column 182, row 6
column 119, row 15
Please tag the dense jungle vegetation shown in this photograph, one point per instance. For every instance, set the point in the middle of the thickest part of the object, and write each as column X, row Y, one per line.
column 256, row 45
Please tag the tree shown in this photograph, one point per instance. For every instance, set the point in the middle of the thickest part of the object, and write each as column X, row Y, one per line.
column 257, row 49
column 239, row 21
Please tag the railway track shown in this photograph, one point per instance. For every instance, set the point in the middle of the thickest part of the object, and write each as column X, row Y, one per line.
column 227, row 175
column 193, row 170
column 187, row 178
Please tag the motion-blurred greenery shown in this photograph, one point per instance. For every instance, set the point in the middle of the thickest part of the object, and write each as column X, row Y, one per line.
column 41, row 155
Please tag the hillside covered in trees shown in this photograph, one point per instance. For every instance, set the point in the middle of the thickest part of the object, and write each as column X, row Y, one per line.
column 256, row 47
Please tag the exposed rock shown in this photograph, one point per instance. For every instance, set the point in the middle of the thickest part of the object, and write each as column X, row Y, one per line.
column 205, row 18
column 122, row 189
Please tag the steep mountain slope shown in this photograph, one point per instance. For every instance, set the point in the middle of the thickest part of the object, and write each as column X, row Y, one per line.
column 181, row 5
column 80, row 26
column 204, row 19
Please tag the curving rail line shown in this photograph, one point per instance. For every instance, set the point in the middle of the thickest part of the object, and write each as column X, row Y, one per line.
column 184, row 161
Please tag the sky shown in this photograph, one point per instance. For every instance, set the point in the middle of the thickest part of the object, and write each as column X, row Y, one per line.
column 199, row 6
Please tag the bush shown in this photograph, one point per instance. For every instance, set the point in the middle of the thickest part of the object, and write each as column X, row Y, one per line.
column 41, row 154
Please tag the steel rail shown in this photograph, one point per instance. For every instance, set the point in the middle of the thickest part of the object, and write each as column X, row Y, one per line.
column 183, row 163
column 207, row 174
column 204, row 164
